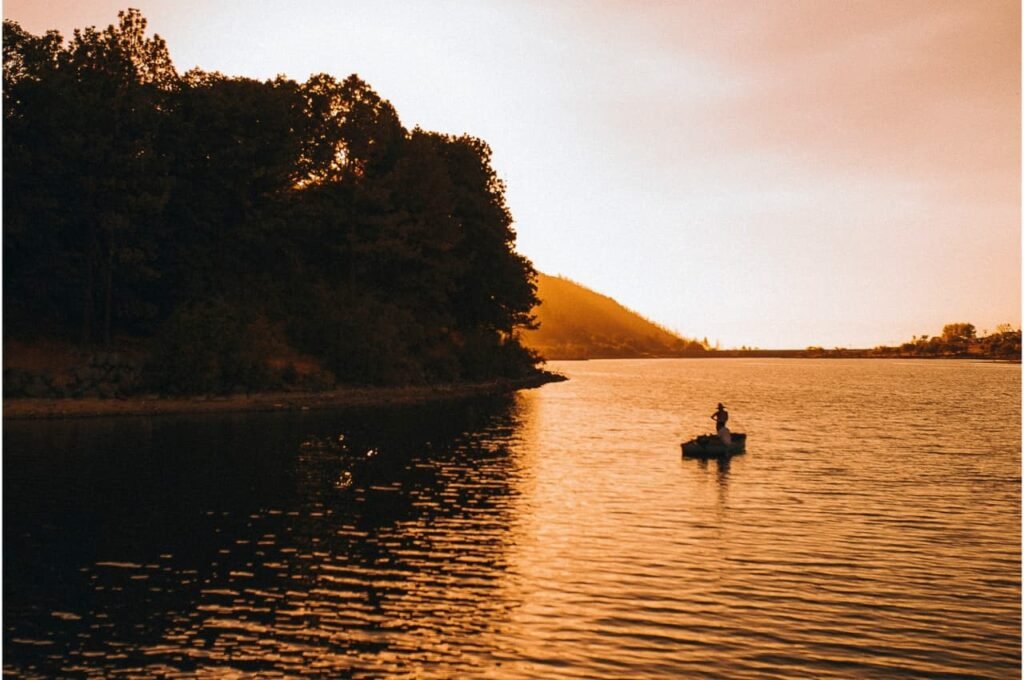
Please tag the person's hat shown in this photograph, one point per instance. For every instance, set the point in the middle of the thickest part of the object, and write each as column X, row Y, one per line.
column 720, row 405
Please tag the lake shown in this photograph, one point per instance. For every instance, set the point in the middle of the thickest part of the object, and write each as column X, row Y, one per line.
column 872, row 529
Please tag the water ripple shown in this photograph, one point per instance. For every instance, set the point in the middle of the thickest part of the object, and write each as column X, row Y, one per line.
column 868, row 532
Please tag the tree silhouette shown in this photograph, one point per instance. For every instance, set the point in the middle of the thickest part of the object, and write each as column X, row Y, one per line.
column 84, row 121
column 301, row 218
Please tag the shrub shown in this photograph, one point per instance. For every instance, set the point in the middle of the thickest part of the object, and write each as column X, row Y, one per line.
column 206, row 347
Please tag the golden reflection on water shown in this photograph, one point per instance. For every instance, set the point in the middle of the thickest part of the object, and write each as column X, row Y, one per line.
column 868, row 531
column 623, row 555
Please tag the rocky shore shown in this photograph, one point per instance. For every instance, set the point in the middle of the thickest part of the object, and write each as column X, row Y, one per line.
column 45, row 407
column 101, row 375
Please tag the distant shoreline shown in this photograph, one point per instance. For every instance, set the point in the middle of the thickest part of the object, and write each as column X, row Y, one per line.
column 59, row 408
column 795, row 354
column 849, row 354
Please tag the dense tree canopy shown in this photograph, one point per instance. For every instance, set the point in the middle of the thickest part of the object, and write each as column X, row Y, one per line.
column 233, row 224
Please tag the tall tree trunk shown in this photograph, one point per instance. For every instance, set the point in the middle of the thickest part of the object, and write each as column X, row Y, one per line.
column 108, row 295
column 88, row 303
column 351, row 264
column 92, row 262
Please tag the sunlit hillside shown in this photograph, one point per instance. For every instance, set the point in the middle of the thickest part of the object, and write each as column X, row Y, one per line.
column 578, row 323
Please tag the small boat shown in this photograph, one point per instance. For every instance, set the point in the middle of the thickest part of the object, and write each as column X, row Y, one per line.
column 711, row 446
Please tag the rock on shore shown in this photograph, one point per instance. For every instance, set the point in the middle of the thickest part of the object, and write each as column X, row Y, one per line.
column 49, row 405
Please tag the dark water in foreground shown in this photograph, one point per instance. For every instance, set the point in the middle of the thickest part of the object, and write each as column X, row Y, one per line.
column 872, row 530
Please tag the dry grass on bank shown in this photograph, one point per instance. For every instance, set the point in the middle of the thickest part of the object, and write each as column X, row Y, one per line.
column 269, row 401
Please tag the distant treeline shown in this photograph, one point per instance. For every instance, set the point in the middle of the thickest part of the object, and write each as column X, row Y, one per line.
column 248, row 233
column 957, row 340
column 961, row 340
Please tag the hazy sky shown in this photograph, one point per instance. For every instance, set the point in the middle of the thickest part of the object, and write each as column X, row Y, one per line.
column 771, row 174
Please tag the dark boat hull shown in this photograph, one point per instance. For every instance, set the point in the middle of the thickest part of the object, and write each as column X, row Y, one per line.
column 710, row 446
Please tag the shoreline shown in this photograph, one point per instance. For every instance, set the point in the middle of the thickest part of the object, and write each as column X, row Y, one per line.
column 24, row 408
column 793, row 354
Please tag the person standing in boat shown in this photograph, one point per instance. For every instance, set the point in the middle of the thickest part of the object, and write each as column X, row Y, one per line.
column 721, row 417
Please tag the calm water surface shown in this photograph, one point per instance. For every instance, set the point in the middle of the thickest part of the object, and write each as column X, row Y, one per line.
column 872, row 529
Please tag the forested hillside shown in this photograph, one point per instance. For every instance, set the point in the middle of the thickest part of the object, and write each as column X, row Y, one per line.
column 577, row 323
column 249, row 234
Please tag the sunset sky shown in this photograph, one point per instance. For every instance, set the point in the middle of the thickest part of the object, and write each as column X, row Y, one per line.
column 770, row 174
